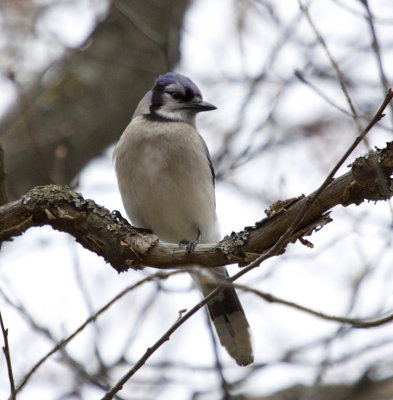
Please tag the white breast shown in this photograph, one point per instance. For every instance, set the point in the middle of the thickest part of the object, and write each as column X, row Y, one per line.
column 165, row 180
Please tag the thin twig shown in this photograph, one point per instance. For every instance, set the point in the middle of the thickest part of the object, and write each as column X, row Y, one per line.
column 342, row 329
column 340, row 75
column 164, row 338
column 381, row 19
column 377, row 49
column 321, row 93
column 325, row 97
column 218, row 366
column 48, row 335
column 6, row 350
column 24, row 102
column 76, row 366
column 139, row 320
column 355, row 322
column 83, row 290
column 92, row 318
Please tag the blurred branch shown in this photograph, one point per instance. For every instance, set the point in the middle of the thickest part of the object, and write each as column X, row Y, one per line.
column 95, row 380
column 3, row 193
column 376, row 48
column 7, row 355
column 163, row 339
column 355, row 322
column 340, row 75
column 62, row 343
column 365, row 389
column 218, row 365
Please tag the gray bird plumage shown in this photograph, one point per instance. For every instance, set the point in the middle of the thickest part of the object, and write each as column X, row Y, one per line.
column 166, row 181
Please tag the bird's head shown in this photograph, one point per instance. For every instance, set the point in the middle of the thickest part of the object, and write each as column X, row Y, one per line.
column 175, row 97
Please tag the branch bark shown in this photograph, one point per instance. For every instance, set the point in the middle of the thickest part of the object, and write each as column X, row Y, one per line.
column 124, row 246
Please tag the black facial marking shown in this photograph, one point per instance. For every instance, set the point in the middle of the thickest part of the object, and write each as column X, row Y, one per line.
column 189, row 95
column 156, row 99
column 154, row 117
column 182, row 97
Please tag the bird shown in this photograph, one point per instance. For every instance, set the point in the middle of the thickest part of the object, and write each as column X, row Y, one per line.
column 167, row 184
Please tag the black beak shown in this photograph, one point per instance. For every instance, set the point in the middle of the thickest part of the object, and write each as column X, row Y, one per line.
column 200, row 106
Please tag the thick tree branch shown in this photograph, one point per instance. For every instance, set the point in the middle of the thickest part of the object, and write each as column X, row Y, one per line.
column 124, row 247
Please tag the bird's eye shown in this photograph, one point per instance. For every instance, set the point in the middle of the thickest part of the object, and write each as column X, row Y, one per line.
column 175, row 95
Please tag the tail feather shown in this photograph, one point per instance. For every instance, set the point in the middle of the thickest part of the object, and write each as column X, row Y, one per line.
column 229, row 320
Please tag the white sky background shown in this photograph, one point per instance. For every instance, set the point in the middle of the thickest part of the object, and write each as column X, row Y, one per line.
column 42, row 276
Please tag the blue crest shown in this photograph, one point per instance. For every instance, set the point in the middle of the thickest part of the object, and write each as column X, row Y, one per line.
column 174, row 78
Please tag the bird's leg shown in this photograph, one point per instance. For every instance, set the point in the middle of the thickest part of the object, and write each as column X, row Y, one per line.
column 190, row 244
column 119, row 218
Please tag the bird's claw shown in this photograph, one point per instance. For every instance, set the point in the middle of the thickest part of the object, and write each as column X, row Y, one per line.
column 189, row 245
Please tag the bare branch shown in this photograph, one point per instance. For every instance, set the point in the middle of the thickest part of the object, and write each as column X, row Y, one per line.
column 355, row 322
column 376, row 48
column 75, row 365
column 164, row 338
column 125, row 247
column 93, row 317
column 7, row 355
column 218, row 365
column 335, row 65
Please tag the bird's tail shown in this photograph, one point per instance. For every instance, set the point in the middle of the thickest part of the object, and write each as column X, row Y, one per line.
column 228, row 317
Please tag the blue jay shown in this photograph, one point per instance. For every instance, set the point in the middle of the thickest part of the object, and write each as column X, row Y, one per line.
column 166, row 181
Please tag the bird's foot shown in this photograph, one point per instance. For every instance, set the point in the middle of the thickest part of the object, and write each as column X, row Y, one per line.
column 120, row 219
column 189, row 245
